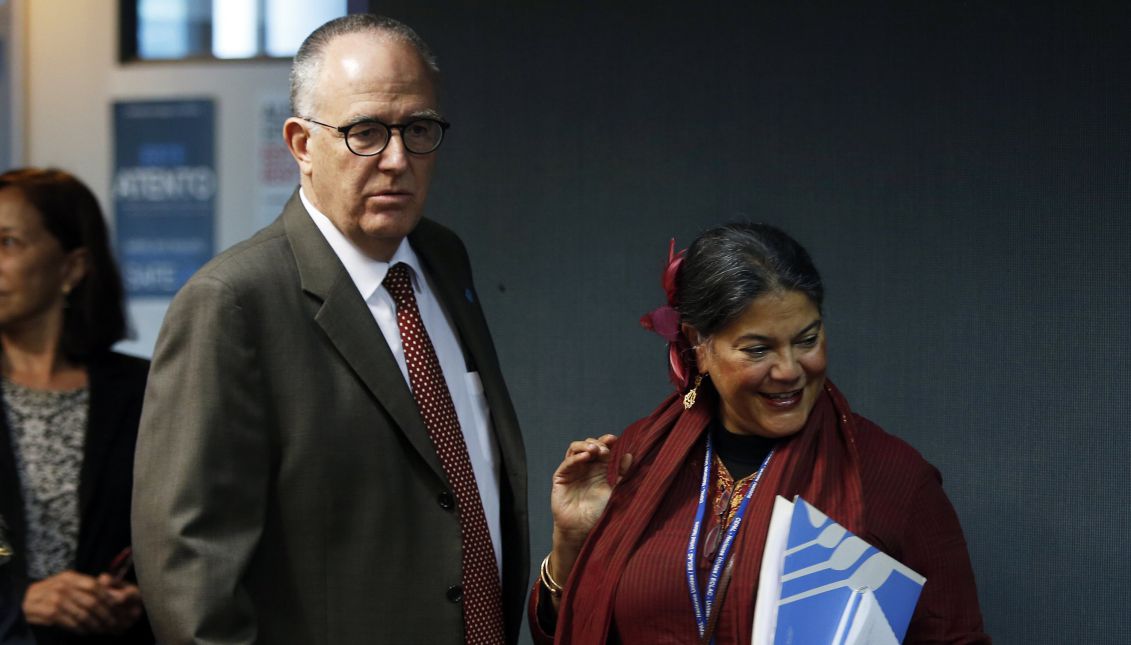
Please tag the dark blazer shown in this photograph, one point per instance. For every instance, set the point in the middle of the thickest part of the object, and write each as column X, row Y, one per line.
column 117, row 384
column 13, row 629
column 291, row 492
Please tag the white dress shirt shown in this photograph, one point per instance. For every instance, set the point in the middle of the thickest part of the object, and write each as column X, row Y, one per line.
column 465, row 387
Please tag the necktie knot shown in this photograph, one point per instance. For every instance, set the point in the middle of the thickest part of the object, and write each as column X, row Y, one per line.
column 398, row 281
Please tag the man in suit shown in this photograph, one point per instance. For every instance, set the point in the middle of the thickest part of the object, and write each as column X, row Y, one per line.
column 300, row 477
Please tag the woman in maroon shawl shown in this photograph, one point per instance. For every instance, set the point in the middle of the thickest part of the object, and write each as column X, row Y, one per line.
column 747, row 353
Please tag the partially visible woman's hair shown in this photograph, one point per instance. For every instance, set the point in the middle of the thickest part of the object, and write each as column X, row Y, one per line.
column 95, row 316
column 728, row 267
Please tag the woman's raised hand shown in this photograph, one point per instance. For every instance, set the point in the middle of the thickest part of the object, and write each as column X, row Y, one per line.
column 578, row 496
column 580, row 488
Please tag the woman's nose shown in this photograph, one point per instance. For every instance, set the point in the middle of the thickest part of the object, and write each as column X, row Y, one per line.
column 786, row 368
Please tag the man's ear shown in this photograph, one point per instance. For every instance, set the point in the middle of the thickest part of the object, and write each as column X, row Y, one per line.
column 297, row 136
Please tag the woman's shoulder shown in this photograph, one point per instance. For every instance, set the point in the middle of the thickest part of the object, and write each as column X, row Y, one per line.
column 645, row 429
column 897, row 482
column 890, row 467
column 641, row 435
column 119, row 368
column 881, row 449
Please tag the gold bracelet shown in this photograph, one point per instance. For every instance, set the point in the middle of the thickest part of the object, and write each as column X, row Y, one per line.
column 548, row 581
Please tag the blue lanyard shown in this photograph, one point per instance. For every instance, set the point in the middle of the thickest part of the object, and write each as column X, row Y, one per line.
column 702, row 606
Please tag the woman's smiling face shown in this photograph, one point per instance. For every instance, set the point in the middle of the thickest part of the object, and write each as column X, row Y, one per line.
column 768, row 365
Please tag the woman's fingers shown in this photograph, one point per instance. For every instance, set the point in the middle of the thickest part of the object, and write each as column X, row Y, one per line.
column 85, row 613
column 592, row 445
column 89, row 604
column 125, row 602
column 580, row 447
column 581, row 489
column 71, row 600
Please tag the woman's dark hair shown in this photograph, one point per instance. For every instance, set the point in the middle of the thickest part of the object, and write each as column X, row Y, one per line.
column 95, row 316
column 728, row 267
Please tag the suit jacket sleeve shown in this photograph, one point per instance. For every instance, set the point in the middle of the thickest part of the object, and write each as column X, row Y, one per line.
column 202, row 468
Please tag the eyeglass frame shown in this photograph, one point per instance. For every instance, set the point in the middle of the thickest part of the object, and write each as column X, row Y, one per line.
column 389, row 128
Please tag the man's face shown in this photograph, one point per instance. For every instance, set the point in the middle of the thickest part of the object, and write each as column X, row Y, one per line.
column 374, row 201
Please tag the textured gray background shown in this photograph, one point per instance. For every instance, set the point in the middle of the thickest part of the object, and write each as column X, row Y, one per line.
column 960, row 173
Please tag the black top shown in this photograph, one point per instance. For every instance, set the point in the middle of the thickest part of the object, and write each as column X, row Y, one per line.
column 742, row 454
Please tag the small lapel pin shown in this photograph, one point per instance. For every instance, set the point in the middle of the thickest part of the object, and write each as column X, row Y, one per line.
column 469, row 294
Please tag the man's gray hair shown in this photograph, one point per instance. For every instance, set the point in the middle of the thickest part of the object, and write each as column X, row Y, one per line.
column 308, row 60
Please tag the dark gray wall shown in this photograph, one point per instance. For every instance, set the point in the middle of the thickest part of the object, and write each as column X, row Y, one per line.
column 960, row 173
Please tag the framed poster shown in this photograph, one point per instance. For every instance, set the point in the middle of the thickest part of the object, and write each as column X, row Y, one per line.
column 276, row 172
column 164, row 189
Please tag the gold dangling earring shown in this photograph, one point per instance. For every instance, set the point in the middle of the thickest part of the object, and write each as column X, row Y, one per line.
column 689, row 398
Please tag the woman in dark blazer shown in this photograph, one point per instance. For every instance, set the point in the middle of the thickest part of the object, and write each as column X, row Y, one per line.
column 70, row 414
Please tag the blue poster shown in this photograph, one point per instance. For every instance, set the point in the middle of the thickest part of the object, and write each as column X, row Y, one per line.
column 164, row 190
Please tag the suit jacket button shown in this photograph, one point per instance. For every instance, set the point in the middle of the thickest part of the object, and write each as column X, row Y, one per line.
column 446, row 501
column 455, row 593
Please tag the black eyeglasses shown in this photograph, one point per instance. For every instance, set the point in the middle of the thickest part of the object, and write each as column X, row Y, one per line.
column 367, row 138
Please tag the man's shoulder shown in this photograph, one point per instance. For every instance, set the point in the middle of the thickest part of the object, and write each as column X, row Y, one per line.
column 430, row 233
column 255, row 275
column 264, row 256
column 439, row 246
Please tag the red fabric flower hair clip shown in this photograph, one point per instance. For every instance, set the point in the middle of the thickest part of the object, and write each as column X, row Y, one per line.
column 665, row 322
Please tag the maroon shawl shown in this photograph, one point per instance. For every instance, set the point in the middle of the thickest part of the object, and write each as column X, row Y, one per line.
column 820, row 463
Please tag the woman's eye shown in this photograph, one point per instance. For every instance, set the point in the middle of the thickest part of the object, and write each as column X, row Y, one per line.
column 757, row 351
column 808, row 341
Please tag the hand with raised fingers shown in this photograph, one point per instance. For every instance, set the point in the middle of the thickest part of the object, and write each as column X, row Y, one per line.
column 578, row 497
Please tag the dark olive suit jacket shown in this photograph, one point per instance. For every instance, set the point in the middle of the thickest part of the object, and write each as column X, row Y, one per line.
column 286, row 490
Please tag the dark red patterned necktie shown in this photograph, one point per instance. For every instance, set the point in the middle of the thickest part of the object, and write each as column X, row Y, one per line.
column 482, row 594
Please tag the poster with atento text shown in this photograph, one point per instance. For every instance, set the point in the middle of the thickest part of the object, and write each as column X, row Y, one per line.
column 164, row 189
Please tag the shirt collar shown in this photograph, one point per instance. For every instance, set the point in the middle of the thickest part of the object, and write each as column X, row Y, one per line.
column 367, row 274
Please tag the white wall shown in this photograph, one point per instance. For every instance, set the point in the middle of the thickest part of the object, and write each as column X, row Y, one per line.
column 72, row 80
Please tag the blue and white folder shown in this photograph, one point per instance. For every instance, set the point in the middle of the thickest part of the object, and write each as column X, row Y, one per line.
column 822, row 584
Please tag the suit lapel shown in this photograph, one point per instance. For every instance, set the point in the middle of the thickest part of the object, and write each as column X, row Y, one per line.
column 349, row 325
column 105, row 408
